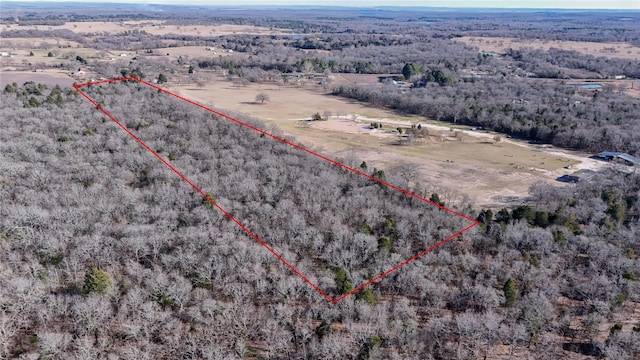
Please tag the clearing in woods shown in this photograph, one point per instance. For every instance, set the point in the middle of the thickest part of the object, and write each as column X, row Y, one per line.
column 492, row 173
column 501, row 44
column 152, row 27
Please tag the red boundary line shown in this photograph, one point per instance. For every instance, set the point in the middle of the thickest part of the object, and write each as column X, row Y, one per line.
column 236, row 221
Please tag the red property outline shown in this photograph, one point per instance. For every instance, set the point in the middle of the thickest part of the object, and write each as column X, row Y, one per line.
column 244, row 228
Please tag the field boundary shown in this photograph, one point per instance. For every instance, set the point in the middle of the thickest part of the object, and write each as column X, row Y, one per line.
column 473, row 222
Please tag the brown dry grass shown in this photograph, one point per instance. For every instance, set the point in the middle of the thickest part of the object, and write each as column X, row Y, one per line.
column 35, row 43
column 151, row 27
column 491, row 174
column 501, row 44
column 49, row 77
column 21, row 57
column 189, row 52
column 286, row 102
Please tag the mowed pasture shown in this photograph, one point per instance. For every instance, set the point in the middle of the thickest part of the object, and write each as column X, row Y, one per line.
column 21, row 57
column 151, row 27
column 48, row 77
column 36, row 43
column 492, row 173
column 190, row 52
column 606, row 49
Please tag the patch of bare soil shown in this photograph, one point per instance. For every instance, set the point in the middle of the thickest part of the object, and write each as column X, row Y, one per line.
column 501, row 44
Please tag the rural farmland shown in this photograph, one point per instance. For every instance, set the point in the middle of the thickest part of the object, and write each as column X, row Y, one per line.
column 316, row 182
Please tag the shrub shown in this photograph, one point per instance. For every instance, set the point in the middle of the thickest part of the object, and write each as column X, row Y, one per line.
column 206, row 202
column 509, row 290
column 96, row 280
column 370, row 349
column 524, row 212
column 541, row 219
column 384, row 244
column 629, row 275
column 33, row 102
column 435, row 198
column 558, row 236
column 323, row 329
column 378, row 174
column 163, row 299
column 615, row 328
column 367, row 296
column 390, row 229
column 342, row 284
column 48, row 259
column 366, row 229
column 199, row 280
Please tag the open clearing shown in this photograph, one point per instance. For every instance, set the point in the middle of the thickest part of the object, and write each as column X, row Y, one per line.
column 501, row 44
column 151, row 27
column 49, row 77
column 187, row 52
column 285, row 102
column 35, row 43
column 492, row 173
column 22, row 59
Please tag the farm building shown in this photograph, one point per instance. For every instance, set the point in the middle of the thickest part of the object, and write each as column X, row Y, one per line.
column 578, row 176
column 616, row 156
column 569, row 179
column 390, row 78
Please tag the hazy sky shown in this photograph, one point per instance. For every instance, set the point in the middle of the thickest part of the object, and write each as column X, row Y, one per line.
column 564, row 4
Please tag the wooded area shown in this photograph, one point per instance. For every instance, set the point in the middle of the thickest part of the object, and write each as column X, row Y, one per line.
column 104, row 253
column 85, row 197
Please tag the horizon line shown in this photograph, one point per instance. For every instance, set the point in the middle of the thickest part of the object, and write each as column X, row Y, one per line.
column 200, row 3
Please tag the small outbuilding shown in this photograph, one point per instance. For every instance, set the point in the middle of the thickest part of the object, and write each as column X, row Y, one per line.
column 619, row 157
column 577, row 177
column 569, row 179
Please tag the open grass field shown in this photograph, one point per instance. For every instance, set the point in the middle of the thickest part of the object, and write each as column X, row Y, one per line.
column 151, row 27
column 500, row 44
column 189, row 52
column 286, row 102
column 49, row 77
column 35, row 43
column 21, row 57
column 492, row 173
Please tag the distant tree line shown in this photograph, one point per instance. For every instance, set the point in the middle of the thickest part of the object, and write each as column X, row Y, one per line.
column 550, row 113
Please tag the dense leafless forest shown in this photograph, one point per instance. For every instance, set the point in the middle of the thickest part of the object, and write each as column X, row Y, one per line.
column 107, row 254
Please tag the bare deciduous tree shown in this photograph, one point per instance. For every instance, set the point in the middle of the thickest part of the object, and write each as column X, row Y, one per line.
column 262, row 97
